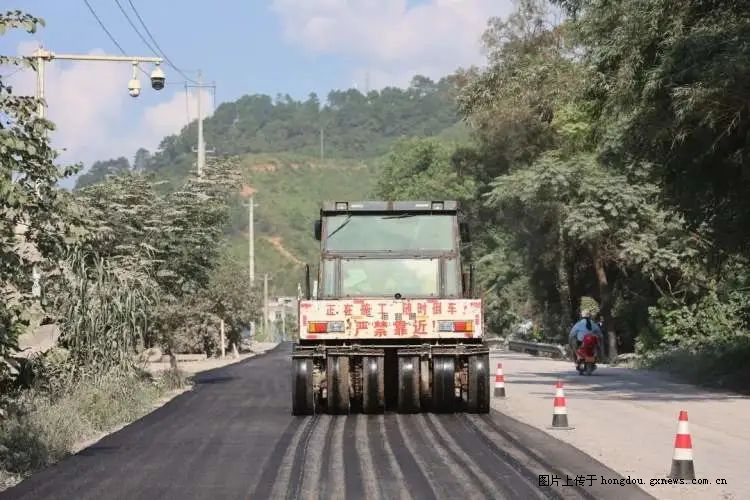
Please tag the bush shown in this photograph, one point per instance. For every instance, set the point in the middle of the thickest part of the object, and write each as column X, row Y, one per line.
column 721, row 365
column 705, row 342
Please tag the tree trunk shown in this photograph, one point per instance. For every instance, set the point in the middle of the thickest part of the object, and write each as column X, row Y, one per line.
column 605, row 296
column 563, row 280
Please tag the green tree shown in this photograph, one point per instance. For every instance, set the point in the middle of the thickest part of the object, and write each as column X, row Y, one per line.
column 100, row 170
column 668, row 82
column 423, row 169
column 32, row 232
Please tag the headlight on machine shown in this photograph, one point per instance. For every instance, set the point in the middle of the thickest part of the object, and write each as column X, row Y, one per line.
column 445, row 326
column 336, row 326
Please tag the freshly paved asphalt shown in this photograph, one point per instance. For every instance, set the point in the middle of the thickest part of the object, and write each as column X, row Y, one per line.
column 233, row 436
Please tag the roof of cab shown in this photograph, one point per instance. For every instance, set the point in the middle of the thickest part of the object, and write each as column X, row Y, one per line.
column 388, row 206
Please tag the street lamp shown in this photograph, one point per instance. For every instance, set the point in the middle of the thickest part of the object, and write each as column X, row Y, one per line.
column 134, row 85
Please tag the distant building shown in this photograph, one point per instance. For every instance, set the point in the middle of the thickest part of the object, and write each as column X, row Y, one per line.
column 281, row 305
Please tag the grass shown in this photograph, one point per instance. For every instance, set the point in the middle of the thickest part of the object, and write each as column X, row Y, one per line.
column 722, row 366
column 41, row 428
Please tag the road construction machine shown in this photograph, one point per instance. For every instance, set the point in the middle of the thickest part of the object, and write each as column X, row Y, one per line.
column 390, row 320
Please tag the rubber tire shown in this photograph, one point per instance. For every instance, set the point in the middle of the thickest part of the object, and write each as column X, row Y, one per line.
column 337, row 382
column 425, row 391
column 408, row 384
column 373, row 384
column 478, row 398
column 303, row 399
column 443, row 384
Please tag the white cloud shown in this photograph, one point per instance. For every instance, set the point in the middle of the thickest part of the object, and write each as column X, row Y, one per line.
column 93, row 112
column 391, row 38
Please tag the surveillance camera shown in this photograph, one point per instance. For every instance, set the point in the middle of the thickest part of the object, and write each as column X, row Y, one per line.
column 157, row 79
column 134, row 87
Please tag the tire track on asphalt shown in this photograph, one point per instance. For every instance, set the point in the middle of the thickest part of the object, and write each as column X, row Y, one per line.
column 284, row 475
column 273, row 464
column 390, row 480
column 296, row 474
column 416, row 482
column 480, row 485
column 515, row 444
column 521, row 480
column 469, row 455
column 325, row 464
column 352, row 469
column 333, row 479
column 312, row 466
column 362, row 449
column 445, row 476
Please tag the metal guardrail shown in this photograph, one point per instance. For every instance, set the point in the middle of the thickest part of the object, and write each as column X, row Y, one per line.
column 536, row 348
column 494, row 342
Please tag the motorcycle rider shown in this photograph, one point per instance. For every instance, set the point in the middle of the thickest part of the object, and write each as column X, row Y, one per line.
column 585, row 325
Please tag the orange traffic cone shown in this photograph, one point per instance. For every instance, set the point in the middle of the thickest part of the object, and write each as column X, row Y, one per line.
column 499, row 382
column 682, row 460
column 560, row 412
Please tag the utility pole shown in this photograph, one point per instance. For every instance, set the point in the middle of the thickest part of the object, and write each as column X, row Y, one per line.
column 223, row 345
column 283, row 323
column 41, row 108
column 201, row 142
column 321, row 143
column 251, row 241
column 265, row 305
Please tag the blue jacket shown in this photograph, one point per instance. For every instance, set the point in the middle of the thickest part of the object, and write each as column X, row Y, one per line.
column 580, row 329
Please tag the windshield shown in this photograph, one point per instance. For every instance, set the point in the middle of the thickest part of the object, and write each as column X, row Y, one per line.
column 373, row 233
column 409, row 277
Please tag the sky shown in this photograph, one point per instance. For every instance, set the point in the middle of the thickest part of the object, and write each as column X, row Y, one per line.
column 243, row 46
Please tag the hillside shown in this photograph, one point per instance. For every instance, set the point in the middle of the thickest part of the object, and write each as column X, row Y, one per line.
column 353, row 125
column 288, row 191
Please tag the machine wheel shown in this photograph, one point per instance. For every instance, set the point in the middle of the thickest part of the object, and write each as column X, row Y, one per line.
column 408, row 384
column 337, row 383
column 373, row 387
column 478, row 397
column 443, row 384
column 303, row 398
column 425, row 394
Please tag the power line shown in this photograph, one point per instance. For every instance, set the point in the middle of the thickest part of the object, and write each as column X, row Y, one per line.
column 161, row 52
column 132, row 25
column 93, row 13
column 21, row 68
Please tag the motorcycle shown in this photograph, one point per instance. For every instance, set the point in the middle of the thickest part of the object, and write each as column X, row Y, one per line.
column 586, row 354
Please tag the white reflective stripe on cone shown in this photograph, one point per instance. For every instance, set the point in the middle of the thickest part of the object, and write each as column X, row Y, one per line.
column 683, row 454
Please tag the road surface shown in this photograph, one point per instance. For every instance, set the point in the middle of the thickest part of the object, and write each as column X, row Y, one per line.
column 627, row 419
column 233, row 437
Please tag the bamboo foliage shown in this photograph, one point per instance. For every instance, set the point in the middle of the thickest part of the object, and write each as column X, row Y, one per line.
column 105, row 311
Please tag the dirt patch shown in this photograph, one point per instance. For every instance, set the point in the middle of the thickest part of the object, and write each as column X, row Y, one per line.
column 276, row 241
column 247, row 191
column 264, row 167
